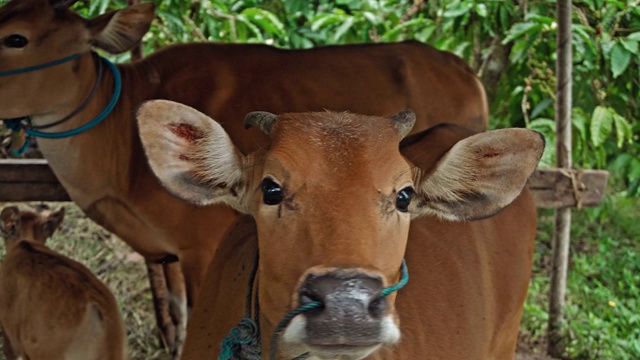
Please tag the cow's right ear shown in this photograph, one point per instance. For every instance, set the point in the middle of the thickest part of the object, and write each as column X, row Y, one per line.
column 191, row 154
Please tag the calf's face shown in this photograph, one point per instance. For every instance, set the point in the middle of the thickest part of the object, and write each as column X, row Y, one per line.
column 38, row 226
column 333, row 196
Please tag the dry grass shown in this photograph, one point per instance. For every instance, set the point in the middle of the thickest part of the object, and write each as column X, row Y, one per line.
column 119, row 268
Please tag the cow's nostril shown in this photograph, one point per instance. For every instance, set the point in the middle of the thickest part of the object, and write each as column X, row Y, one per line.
column 307, row 297
column 378, row 307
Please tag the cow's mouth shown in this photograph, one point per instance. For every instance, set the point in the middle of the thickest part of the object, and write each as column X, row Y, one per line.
column 336, row 343
column 342, row 351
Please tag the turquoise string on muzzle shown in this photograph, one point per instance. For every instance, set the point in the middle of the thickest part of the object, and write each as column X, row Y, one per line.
column 245, row 338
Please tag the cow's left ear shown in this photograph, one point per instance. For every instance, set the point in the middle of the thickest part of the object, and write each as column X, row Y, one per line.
column 191, row 154
column 10, row 221
column 121, row 30
column 477, row 177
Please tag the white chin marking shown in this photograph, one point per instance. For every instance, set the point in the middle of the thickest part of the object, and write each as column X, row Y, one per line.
column 390, row 333
column 295, row 335
column 296, row 332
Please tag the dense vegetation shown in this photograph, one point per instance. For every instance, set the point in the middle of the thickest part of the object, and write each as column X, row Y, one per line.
column 511, row 44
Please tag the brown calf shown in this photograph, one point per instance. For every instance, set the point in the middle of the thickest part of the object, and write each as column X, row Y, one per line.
column 52, row 307
column 332, row 197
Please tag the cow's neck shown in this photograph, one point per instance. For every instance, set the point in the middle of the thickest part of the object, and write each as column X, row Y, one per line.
column 94, row 152
column 86, row 77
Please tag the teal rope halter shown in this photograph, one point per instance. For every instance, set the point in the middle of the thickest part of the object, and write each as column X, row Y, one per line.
column 39, row 67
column 25, row 122
column 233, row 343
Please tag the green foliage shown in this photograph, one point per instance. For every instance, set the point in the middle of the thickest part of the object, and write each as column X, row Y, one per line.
column 603, row 293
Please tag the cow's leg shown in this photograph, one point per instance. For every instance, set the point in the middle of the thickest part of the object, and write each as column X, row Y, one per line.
column 178, row 303
column 161, row 304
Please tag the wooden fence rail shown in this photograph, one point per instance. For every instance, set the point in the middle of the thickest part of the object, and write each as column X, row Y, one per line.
column 33, row 180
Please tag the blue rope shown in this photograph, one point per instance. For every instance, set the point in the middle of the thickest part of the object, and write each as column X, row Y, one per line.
column 243, row 342
column 39, row 67
column 400, row 284
column 23, row 123
column 117, row 81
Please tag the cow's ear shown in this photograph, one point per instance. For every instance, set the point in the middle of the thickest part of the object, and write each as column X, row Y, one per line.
column 191, row 154
column 120, row 30
column 477, row 177
column 10, row 221
column 52, row 222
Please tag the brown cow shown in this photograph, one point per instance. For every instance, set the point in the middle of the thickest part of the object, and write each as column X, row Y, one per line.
column 104, row 169
column 332, row 197
column 52, row 307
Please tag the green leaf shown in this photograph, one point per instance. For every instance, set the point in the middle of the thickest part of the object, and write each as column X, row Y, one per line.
column 579, row 122
column 481, row 10
column 415, row 24
column 342, row 29
column 543, row 125
column 324, row 20
column 375, row 19
column 624, row 132
column 601, row 125
column 634, row 36
column 631, row 45
column 540, row 107
column 620, row 59
column 520, row 29
column 540, row 19
column 458, row 9
column 267, row 20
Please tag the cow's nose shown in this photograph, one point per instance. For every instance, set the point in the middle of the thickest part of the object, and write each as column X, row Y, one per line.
column 352, row 304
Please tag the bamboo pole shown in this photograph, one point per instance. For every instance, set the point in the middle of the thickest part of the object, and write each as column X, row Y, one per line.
column 562, row 232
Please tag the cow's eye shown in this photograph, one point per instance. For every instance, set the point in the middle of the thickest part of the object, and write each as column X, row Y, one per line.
column 272, row 193
column 403, row 198
column 15, row 41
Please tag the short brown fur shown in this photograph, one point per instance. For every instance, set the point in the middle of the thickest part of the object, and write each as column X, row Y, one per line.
column 52, row 307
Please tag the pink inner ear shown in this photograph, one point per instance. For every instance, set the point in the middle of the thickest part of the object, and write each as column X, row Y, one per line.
column 186, row 131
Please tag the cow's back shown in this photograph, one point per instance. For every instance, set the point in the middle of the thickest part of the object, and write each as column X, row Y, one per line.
column 370, row 79
column 52, row 306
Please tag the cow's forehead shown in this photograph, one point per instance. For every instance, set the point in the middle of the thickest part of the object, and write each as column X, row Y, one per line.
column 339, row 145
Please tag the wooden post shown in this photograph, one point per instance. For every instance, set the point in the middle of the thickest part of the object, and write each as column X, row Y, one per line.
column 562, row 232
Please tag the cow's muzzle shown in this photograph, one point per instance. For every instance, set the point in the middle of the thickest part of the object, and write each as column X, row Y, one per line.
column 353, row 320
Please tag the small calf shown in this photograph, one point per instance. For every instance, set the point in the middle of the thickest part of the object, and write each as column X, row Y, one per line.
column 52, row 307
